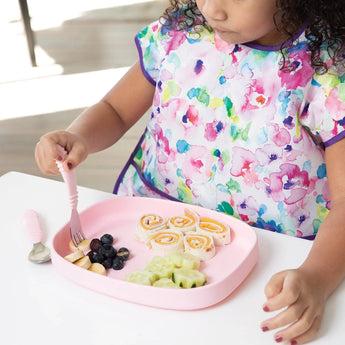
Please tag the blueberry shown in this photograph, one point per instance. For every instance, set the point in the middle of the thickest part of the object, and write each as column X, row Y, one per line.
column 107, row 263
column 98, row 258
column 101, row 250
column 109, row 251
column 118, row 263
column 95, row 244
column 90, row 254
column 123, row 253
column 107, row 239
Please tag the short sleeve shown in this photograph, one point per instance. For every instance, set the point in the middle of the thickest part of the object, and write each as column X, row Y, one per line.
column 151, row 43
column 323, row 112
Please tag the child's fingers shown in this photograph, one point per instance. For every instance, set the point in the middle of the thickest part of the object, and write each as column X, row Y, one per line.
column 302, row 330
column 309, row 335
column 283, row 290
column 275, row 285
column 304, row 307
column 62, row 146
column 46, row 155
column 284, row 318
column 76, row 155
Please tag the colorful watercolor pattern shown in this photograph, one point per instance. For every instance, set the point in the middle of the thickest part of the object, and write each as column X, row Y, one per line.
column 232, row 132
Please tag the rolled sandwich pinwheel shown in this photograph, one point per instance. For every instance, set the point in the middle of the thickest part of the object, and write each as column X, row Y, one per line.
column 219, row 231
column 199, row 245
column 166, row 242
column 149, row 225
column 184, row 223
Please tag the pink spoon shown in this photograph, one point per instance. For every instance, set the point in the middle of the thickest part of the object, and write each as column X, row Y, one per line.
column 39, row 253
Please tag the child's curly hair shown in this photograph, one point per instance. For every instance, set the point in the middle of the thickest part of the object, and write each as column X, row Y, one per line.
column 325, row 25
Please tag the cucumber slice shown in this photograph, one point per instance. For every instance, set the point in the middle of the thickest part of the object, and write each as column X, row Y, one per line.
column 161, row 265
column 185, row 260
column 142, row 277
column 188, row 278
column 165, row 283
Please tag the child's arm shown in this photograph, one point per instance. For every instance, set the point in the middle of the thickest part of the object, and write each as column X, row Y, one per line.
column 99, row 126
column 304, row 291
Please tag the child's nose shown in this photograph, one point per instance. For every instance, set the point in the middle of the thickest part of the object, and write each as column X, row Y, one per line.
column 214, row 10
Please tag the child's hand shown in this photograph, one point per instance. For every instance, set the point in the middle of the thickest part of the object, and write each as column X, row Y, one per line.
column 47, row 152
column 303, row 300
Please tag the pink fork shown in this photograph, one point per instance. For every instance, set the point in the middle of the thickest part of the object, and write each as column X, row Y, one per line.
column 69, row 177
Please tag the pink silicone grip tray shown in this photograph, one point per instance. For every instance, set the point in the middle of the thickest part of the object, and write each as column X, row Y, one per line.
column 119, row 216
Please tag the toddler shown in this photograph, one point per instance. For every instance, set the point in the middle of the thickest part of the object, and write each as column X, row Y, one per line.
column 247, row 101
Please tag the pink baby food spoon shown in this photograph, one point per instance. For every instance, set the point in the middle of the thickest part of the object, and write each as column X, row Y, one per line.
column 39, row 253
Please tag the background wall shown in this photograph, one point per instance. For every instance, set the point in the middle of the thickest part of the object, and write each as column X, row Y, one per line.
column 82, row 48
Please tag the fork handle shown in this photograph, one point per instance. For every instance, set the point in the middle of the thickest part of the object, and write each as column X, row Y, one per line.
column 70, row 180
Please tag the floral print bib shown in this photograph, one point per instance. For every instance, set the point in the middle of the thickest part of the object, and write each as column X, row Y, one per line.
column 231, row 132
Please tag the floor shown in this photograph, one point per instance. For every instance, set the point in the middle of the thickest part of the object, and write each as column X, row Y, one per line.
column 81, row 52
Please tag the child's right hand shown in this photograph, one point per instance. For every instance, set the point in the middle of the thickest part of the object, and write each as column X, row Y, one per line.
column 47, row 152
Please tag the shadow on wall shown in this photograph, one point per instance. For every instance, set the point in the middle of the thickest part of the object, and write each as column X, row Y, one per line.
column 109, row 45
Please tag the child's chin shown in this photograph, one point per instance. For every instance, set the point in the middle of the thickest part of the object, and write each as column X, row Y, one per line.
column 228, row 39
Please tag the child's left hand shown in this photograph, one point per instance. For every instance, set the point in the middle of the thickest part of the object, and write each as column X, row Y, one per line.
column 303, row 299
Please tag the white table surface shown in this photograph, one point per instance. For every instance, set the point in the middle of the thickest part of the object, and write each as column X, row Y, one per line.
column 39, row 306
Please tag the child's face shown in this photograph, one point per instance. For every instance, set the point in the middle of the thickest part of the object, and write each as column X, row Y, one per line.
column 241, row 21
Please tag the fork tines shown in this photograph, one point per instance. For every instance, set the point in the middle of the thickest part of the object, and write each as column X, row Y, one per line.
column 77, row 237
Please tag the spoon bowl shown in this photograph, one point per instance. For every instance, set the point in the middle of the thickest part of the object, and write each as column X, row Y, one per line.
column 39, row 253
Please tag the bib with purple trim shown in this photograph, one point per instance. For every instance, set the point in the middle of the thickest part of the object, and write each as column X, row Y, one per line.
column 232, row 132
